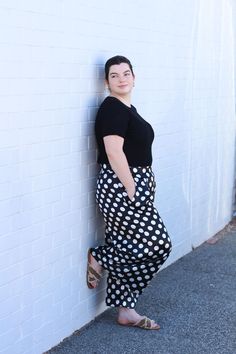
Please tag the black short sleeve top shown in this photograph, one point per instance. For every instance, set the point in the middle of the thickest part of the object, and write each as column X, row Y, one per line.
column 116, row 118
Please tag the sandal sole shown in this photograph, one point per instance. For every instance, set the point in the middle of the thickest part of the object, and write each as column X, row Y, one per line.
column 140, row 324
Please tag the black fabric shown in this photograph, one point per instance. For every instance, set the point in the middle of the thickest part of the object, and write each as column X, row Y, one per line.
column 115, row 118
column 137, row 242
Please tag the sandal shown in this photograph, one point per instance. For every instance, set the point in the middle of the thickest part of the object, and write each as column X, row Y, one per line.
column 144, row 323
column 92, row 274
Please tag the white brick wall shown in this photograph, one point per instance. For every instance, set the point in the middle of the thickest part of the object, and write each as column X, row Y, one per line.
column 234, row 29
column 51, row 70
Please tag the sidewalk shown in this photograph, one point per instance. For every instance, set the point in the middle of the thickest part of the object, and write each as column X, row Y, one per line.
column 193, row 300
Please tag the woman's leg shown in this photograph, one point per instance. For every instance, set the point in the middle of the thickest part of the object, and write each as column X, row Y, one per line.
column 125, row 315
column 137, row 242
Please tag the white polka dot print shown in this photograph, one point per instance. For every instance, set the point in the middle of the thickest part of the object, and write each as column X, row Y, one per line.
column 136, row 240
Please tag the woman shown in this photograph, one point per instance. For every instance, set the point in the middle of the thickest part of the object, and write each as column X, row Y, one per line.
column 137, row 242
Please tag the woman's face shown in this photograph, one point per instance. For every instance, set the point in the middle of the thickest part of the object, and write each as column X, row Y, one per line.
column 120, row 79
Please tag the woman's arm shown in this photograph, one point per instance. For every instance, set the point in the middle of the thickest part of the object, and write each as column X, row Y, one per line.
column 118, row 161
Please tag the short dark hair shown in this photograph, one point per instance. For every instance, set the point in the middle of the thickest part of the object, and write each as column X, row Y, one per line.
column 118, row 59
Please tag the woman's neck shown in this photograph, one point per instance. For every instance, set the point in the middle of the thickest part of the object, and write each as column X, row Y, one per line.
column 125, row 99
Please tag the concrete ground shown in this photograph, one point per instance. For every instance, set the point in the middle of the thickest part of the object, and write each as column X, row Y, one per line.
column 193, row 300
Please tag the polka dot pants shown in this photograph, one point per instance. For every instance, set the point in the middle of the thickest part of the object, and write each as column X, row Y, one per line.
column 136, row 240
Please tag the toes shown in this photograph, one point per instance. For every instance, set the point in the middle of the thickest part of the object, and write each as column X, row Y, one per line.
column 154, row 324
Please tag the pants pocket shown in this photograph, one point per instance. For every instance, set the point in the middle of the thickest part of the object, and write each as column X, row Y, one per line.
column 142, row 193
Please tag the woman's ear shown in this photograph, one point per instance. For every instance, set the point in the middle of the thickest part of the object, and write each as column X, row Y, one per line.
column 134, row 80
column 106, row 84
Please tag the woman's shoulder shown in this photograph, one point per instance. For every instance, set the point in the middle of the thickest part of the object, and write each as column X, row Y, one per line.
column 115, row 102
column 113, row 105
column 112, row 102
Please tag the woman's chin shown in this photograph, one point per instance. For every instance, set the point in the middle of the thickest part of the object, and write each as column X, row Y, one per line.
column 124, row 91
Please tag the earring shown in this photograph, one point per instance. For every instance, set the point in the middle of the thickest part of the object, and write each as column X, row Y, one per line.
column 133, row 84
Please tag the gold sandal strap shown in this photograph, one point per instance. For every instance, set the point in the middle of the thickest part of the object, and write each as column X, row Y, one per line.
column 94, row 273
column 144, row 323
column 141, row 323
column 148, row 323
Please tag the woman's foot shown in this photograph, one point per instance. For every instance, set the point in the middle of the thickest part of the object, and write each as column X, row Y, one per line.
column 130, row 317
column 93, row 272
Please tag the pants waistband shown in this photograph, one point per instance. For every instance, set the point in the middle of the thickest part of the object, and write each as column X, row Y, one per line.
column 132, row 168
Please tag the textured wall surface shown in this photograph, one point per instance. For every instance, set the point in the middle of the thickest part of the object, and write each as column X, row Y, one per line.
column 234, row 30
column 51, row 83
